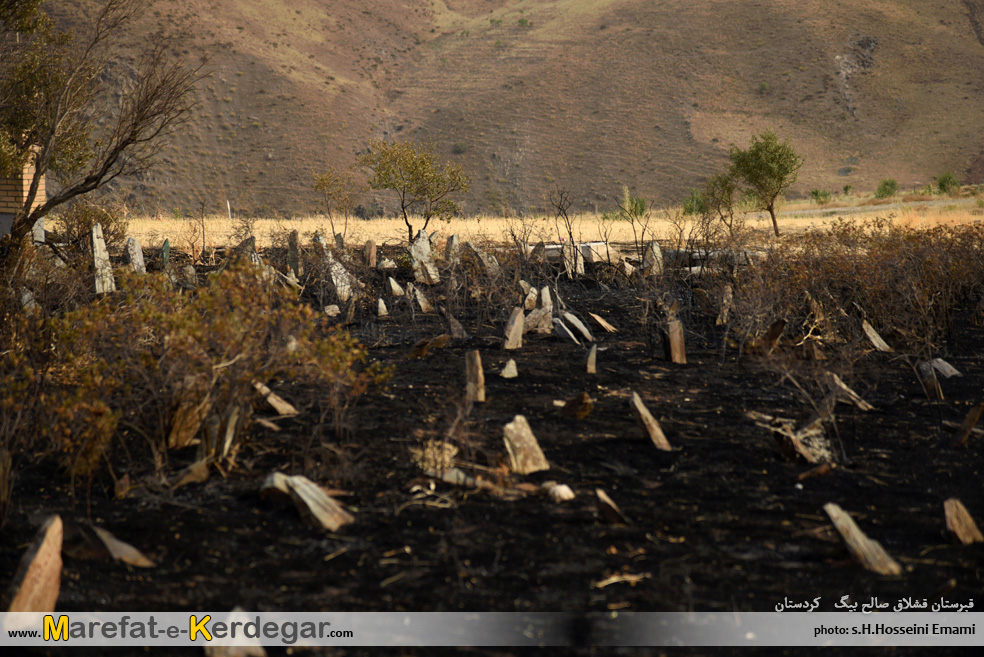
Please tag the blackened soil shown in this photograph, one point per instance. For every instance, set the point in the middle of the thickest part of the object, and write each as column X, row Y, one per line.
column 720, row 523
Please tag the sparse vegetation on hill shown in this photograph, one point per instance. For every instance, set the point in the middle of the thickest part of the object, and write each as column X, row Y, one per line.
column 613, row 106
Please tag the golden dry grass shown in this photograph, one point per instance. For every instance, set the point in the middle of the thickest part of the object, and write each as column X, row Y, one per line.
column 186, row 234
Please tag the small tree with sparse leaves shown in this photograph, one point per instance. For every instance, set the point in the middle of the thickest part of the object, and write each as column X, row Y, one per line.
column 423, row 184
column 766, row 169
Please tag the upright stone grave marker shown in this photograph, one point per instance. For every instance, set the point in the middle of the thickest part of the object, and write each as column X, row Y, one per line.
column 104, row 282
column 424, row 269
column 294, row 253
column 369, row 254
column 135, row 255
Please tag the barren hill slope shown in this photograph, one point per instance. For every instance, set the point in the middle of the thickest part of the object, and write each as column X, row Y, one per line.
column 586, row 94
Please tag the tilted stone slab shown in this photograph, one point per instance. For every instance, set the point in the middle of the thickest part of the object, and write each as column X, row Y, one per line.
column 37, row 581
column 514, row 329
column 578, row 326
column 525, row 455
column 487, row 259
column 564, row 333
column 649, row 423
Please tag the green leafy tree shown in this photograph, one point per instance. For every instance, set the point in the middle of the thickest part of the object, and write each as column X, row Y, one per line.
column 947, row 183
column 767, row 168
column 50, row 83
column 887, row 188
column 422, row 183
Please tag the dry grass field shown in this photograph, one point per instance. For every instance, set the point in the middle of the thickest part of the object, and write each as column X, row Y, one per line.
column 666, row 226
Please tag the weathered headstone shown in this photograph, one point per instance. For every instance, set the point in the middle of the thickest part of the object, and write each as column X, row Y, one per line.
column 332, row 310
column 247, row 249
column 340, row 242
column 649, row 423
column 424, row 269
column 592, row 364
column 529, row 303
column 135, row 255
column 27, row 300
column 369, row 254
column 525, row 455
column 960, row 523
column 608, row 511
column 509, row 371
column 395, row 288
column 121, row 550
column 385, row 264
column 457, row 330
column 578, row 325
column 165, row 255
column 536, row 255
column 311, row 500
column 596, row 252
column 558, row 492
column 381, row 310
column 514, row 330
column 546, row 301
column 967, row 426
column 294, row 253
column 564, row 333
column 278, row 403
column 841, row 390
column 189, row 276
column 249, row 647
column 944, row 368
column 869, row 553
column 475, row 377
column 452, row 250
column 346, row 285
column 603, row 324
column 875, row 339
column 197, row 472
column 103, row 271
column 425, row 305
column 38, row 578
column 652, row 260
column 487, row 259
column 673, row 343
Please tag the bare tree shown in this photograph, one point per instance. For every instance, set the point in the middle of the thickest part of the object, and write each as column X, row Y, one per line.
column 51, row 84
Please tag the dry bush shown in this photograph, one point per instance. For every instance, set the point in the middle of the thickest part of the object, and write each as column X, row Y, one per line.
column 907, row 283
column 74, row 225
column 115, row 371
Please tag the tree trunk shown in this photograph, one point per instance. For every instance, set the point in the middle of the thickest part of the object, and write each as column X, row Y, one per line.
column 406, row 220
column 775, row 224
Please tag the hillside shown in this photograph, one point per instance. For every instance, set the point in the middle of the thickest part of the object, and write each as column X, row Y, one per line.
column 588, row 94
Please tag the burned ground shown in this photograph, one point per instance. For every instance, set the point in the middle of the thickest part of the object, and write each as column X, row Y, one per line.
column 720, row 523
